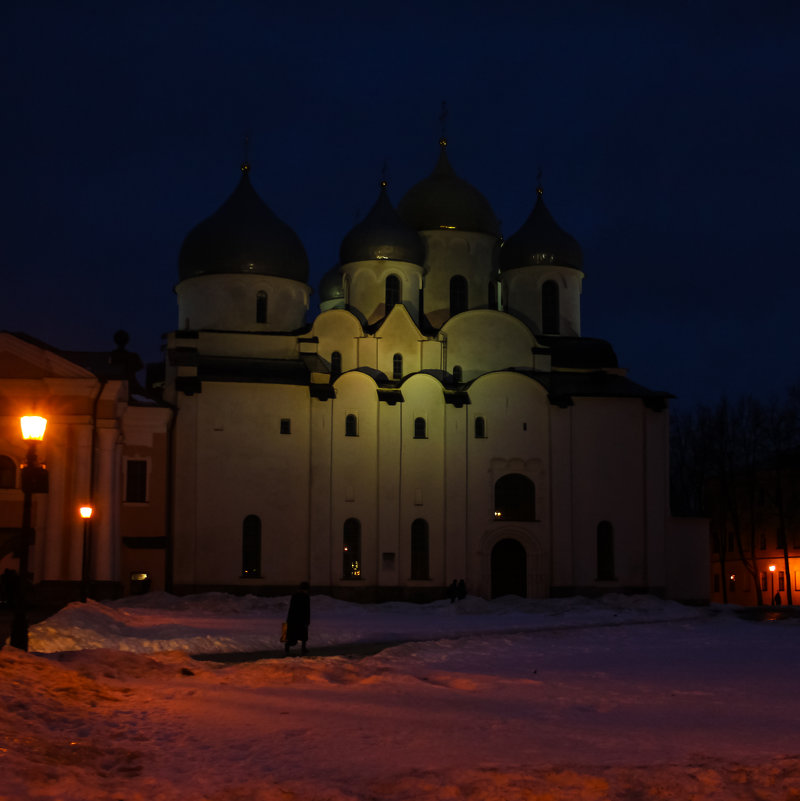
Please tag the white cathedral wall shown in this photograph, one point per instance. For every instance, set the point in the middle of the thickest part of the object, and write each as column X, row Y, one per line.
column 522, row 289
column 481, row 341
column 245, row 466
column 450, row 253
column 227, row 302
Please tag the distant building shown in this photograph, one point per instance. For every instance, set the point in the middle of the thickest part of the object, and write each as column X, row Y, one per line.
column 441, row 418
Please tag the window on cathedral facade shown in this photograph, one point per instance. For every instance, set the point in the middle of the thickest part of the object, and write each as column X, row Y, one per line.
column 251, row 547
column 420, row 429
column 8, row 473
column 351, row 549
column 551, row 314
column 492, row 295
column 420, row 551
column 286, row 425
column 397, row 366
column 136, row 481
column 480, row 428
column 458, row 295
column 336, row 363
column 261, row 307
column 458, row 374
column 605, row 551
column 514, row 498
column 393, row 295
column 351, row 426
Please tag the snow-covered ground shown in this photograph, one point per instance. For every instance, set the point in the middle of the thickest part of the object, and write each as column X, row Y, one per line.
column 622, row 698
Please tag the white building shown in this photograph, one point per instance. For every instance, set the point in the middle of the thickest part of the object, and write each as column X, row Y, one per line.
column 441, row 418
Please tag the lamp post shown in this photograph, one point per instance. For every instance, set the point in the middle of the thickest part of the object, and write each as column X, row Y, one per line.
column 33, row 479
column 86, row 513
column 772, row 584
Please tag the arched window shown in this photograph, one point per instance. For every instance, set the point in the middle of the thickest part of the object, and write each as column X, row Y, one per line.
column 420, row 559
column 397, row 366
column 551, row 314
column 480, row 428
column 514, row 498
column 8, row 473
column 336, row 363
column 492, row 295
column 605, row 551
column 351, row 549
column 458, row 295
column 261, row 307
column 457, row 373
column 393, row 296
column 351, row 426
column 251, row 547
column 420, row 431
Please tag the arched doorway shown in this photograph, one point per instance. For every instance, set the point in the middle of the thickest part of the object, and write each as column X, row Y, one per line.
column 509, row 569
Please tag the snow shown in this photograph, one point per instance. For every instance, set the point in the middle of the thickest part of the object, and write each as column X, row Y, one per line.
column 620, row 698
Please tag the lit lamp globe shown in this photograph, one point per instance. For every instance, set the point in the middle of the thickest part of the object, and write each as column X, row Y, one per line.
column 33, row 427
column 86, row 512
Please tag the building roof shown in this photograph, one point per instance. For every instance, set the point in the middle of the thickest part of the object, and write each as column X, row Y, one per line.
column 443, row 200
column 540, row 241
column 382, row 234
column 243, row 236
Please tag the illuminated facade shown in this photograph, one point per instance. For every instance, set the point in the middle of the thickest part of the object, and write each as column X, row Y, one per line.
column 442, row 417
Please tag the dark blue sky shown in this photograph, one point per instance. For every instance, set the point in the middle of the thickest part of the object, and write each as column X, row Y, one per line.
column 668, row 134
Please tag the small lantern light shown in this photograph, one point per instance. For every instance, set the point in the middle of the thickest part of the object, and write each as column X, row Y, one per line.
column 33, row 427
column 86, row 512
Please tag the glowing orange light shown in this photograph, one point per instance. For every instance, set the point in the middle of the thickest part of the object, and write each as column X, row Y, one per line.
column 33, row 427
column 772, row 568
column 86, row 512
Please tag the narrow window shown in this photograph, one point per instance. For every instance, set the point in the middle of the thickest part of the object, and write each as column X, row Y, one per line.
column 514, row 498
column 716, row 582
column 420, row 559
column 457, row 374
column 286, row 425
column 492, row 295
column 763, row 582
column 251, row 547
column 397, row 366
column 261, row 307
column 781, row 581
column 605, row 551
column 136, row 481
column 458, row 295
column 550, row 311
column 351, row 426
column 351, row 549
column 336, row 363
column 8, row 473
column 419, row 428
column 480, row 428
column 393, row 296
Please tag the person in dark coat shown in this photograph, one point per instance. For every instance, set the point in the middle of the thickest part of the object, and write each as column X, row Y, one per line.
column 452, row 591
column 298, row 619
column 462, row 590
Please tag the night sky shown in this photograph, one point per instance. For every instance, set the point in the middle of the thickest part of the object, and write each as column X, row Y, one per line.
column 667, row 134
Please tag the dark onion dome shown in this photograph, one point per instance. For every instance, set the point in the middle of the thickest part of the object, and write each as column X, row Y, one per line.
column 331, row 286
column 443, row 200
column 540, row 241
column 243, row 236
column 382, row 234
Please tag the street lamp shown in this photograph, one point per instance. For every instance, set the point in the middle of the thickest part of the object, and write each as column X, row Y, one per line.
column 86, row 513
column 33, row 478
column 772, row 584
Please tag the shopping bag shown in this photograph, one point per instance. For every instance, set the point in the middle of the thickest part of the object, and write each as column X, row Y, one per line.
column 284, row 629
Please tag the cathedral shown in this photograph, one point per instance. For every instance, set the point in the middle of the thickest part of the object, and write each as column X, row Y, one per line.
column 441, row 418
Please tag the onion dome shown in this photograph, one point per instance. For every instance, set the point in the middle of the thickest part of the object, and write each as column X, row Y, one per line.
column 443, row 200
column 243, row 236
column 540, row 241
column 331, row 286
column 382, row 234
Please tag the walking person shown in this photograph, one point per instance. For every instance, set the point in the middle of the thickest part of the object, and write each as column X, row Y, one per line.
column 298, row 619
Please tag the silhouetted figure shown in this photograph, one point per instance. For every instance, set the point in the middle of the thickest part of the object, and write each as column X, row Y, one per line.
column 298, row 619
column 9, row 587
column 452, row 591
column 462, row 590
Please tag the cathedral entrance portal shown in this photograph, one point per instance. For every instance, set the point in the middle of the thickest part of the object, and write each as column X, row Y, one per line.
column 509, row 569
